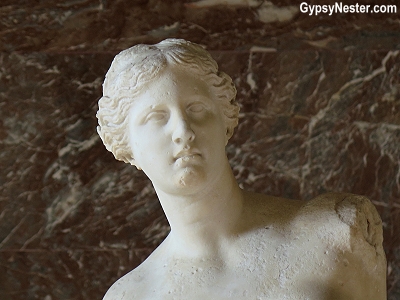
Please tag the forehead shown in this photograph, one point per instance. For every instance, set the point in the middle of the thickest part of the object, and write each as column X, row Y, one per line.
column 174, row 84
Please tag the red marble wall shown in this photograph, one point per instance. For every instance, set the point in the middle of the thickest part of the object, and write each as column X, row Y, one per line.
column 320, row 111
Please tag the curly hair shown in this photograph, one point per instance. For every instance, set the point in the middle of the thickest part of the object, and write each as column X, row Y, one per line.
column 134, row 67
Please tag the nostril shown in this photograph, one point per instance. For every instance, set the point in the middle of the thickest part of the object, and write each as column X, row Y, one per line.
column 178, row 140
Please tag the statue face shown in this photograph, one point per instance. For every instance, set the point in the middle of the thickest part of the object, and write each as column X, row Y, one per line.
column 177, row 132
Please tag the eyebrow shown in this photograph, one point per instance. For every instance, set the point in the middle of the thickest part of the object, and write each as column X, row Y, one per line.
column 142, row 114
column 200, row 98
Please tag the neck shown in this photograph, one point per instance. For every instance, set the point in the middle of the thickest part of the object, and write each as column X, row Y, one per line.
column 201, row 222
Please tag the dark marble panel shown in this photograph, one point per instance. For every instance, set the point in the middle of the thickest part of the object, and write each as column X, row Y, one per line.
column 60, row 275
column 56, row 174
column 101, row 25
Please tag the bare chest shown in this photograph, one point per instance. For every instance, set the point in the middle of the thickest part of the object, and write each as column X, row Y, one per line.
column 264, row 265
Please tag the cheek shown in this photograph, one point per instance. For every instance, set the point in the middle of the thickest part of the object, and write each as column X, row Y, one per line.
column 151, row 147
column 139, row 145
column 217, row 127
column 212, row 136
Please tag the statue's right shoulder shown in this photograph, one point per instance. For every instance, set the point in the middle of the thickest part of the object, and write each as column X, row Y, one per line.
column 129, row 287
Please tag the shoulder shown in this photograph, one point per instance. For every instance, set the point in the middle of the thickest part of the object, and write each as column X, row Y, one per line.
column 335, row 238
column 340, row 218
column 351, row 228
column 355, row 211
column 143, row 282
column 128, row 287
column 347, row 221
column 340, row 200
column 270, row 207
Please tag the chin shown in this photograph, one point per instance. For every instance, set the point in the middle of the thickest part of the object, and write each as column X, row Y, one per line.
column 190, row 178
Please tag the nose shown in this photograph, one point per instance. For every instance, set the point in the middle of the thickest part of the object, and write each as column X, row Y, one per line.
column 182, row 132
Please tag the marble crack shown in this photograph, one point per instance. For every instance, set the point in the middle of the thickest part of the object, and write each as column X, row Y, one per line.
column 12, row 232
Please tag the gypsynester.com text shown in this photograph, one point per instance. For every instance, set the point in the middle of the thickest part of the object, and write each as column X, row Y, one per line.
column 339, row 7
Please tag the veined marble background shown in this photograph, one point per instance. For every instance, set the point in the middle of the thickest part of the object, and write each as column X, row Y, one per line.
column 320, row 112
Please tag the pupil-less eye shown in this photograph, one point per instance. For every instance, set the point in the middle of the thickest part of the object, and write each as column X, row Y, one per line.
column 196, row 107
column 156, row 116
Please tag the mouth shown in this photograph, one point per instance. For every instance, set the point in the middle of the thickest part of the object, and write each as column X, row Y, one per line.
column 187, row 156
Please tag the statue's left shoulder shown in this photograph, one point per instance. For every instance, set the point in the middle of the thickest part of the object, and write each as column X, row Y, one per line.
column 355, row 211
column 349, row 229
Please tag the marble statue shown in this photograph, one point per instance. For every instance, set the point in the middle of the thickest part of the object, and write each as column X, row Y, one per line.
column 167, row 110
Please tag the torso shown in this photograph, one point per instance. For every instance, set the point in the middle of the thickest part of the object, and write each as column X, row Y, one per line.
column 285, row 249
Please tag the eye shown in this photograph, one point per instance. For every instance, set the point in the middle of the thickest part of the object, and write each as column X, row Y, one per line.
column 196, row 107
column 156, row 116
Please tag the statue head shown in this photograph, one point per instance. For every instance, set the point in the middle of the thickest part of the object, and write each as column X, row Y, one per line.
column 132, row 72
